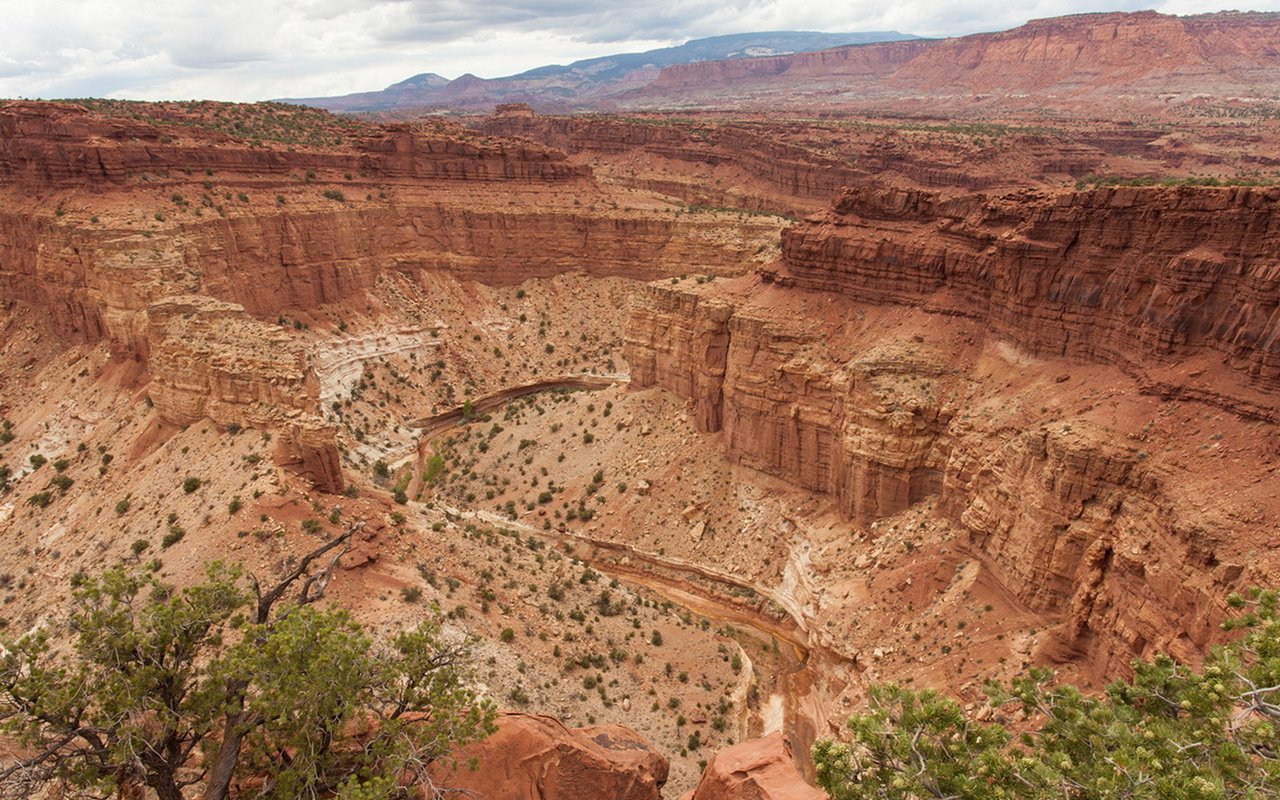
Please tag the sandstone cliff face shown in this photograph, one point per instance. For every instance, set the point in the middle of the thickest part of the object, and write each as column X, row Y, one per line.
column 857, row 61
column 210, row 359
column 759, row 769
column 1120, row 275
column 786, row 407
column 95, row 279
column 1142, row 50
column 44, row 145
column 795, row 173
column 1079, row 527
column 796, row 167
column 911, row 346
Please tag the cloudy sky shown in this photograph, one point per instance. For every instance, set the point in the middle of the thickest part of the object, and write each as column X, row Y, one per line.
column 259, row 49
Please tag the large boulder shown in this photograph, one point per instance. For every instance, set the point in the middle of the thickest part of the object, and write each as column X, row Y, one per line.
column 757, row 769
column 534, row 757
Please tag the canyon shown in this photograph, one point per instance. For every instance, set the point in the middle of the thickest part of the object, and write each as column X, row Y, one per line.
column 699, row 424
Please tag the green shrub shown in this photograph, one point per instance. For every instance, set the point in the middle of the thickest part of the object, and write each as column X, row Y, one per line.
column 40, row 499
column 171, row 538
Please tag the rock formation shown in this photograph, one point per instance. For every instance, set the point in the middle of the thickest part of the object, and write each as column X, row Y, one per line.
column 1120, row 275
column 537, row 758
column 758, row 769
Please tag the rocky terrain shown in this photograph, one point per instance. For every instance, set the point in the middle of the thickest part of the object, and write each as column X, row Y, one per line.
column 701, row 425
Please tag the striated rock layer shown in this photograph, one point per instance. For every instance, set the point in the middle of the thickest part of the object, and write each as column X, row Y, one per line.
column 44, row 145
column 1077, row 63
column 1120, row 275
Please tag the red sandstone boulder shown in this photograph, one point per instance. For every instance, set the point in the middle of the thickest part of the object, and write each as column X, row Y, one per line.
column 534, row 757
column 758, row 769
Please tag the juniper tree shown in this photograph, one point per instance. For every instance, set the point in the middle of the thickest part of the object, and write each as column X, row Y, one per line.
column 1170, row 733
column 196, row 691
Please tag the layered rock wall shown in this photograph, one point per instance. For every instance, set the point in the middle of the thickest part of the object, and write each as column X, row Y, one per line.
column 1137, row 60
column 211, row 360
column 44, row 146
column 1119, row 275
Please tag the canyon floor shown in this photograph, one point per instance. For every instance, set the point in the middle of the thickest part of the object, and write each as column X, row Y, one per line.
column 700, row 424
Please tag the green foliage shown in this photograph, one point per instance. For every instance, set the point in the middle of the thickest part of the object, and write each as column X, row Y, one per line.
column 171, row 538
column 1171, row 732
column 160, row 680
column 190, row 485
column 434, row 467
column 254, row 122
column 1092, row 181
column 40, row 499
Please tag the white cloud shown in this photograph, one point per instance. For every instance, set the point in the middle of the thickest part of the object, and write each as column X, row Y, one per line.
column 256, row 49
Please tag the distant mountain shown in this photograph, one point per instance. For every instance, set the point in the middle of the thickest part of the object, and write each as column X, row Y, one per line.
column 587, row 83
column 1079, row 64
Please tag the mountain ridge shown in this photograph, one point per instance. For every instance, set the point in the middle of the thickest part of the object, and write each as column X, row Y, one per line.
column 587, row 81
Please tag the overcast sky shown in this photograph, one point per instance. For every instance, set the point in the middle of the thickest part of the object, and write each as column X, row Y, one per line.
column 260, row 49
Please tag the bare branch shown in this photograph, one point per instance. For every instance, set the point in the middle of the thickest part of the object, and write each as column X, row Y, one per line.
column 265, row 602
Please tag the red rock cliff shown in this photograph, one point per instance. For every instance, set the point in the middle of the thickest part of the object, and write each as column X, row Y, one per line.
column 1121, row 275
column 911, row 347
column 1073, row 63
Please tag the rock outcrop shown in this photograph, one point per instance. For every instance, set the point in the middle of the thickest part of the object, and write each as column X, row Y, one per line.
column 537, row 758
column 852, row 430
column 795, row 167
column 210, row 360
column 45, row 145
column 758, row 769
